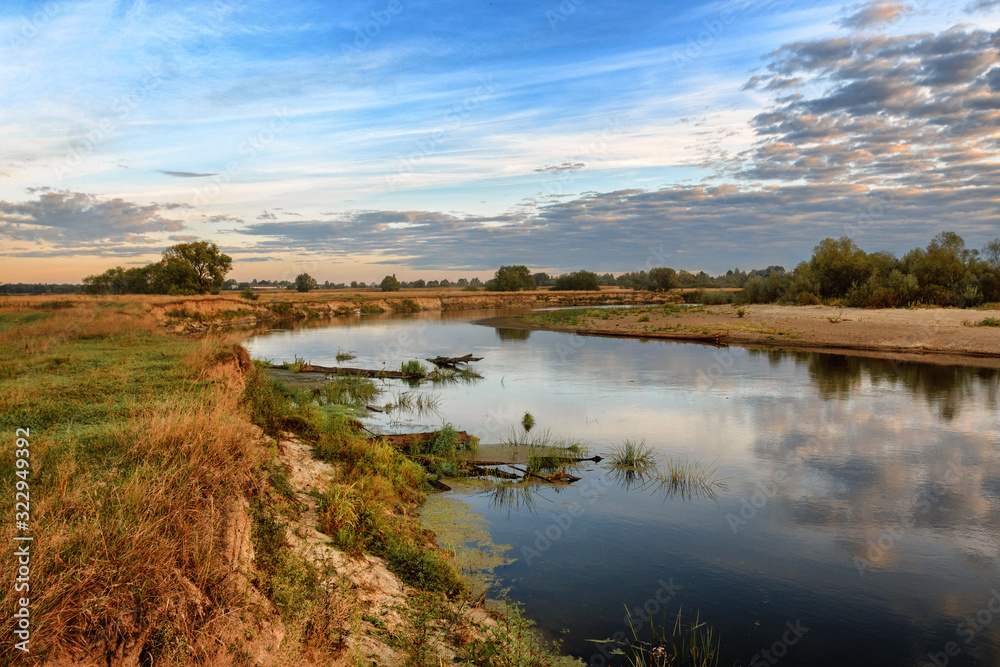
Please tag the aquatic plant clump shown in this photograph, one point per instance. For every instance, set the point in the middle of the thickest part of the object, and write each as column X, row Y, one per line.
column 633, row 454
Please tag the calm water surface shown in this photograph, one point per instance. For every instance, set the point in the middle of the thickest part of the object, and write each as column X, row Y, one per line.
column 860, row 523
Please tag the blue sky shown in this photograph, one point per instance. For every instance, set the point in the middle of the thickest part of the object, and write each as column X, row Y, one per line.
column 439, row 139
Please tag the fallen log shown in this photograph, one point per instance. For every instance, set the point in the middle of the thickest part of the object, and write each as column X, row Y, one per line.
column 364, row 372
column 450, row 362
column 491, row 472
column 560, row 459
column 408, row 440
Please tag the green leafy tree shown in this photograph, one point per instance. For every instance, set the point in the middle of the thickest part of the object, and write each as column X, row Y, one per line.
column 390, row 284
column 304, row 282
column 662, row 279
column 837, row 264
column 578, row 280
column 511, row 279
column 209, row 265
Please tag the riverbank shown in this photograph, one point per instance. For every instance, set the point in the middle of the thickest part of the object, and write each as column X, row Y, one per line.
column 199, row 313
column 935, row 335
column 185, row 509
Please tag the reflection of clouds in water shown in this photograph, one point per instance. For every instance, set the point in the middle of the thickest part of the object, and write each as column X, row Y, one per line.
column 888, row 468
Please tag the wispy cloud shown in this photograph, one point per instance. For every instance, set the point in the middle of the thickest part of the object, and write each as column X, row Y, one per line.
column 184, row 174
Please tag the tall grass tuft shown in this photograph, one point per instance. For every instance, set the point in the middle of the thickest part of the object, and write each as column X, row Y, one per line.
column 693, row 646
column 633, row 454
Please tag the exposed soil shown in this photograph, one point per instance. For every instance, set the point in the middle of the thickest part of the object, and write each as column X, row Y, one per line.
column 937, row 335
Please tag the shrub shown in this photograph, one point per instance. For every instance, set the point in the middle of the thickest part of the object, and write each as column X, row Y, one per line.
column 413, row 367
column 249, row 294
column 578, row 280
column 390, row 284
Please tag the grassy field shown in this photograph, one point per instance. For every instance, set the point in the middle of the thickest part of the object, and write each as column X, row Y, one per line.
column 165, row 517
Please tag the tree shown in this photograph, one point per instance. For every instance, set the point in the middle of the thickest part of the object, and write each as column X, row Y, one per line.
column 541, row 279
column 837, row 264
column 304, row 282
column 390, row 284
column 662, row 279
column 578, row 280
column 210, row 266
column 511, row 279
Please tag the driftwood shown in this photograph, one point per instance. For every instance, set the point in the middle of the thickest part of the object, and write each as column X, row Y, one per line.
column 712, row 339
column 450, row 362
column 558, row 477
column 560, row 459
column 364, row 372
column 440, row 486
column 408, row 440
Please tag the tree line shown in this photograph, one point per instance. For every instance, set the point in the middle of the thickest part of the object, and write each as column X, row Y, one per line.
column 944, row 273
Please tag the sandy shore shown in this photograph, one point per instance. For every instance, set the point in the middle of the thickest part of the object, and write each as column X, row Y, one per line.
column 939, row 335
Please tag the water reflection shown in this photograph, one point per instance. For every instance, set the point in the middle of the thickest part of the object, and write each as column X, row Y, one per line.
column 513, row 334
column 945, row 387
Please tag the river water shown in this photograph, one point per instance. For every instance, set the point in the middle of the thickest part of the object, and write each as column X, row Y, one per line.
column 859, row 522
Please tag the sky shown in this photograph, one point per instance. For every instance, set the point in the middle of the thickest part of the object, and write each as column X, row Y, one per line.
column 438, row 139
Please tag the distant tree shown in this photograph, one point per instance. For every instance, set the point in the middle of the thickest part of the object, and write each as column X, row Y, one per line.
column 209, row 265
column 304, row 282
column 511, row 279
column 390, row 284
column 606, row 279
column 837, row 264
column 462, row 282
column 230, row 284
column 662, row 279
column 541, row 279
column 445, row 282
column 354, row 283
column 419, row 283
column 578, row 280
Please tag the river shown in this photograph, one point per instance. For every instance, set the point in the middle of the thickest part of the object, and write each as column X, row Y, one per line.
column 858, row 521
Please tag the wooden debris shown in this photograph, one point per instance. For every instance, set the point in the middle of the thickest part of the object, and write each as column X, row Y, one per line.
column 364, row 372
column 451, row 362
column 440, row 486
column 408, row 440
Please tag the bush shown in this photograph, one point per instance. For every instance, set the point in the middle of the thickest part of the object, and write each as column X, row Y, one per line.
column 249, row 294
column 304, row 282
column 578, row 280
column 390, row 284
column 511, row 279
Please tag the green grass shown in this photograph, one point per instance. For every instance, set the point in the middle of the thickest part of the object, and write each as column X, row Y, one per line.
column 989, row 322
column 344, row 356
column 676, row 645
column 633, row 454
column 413, row 367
